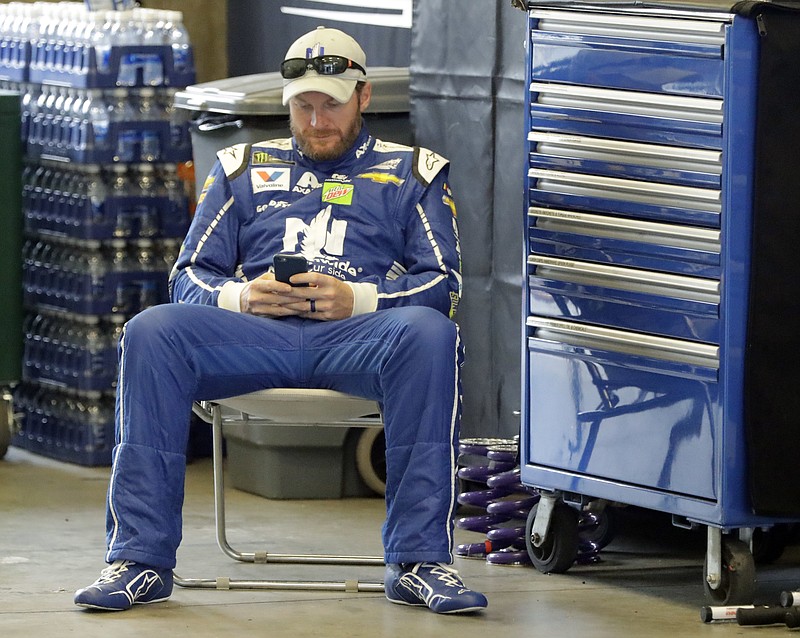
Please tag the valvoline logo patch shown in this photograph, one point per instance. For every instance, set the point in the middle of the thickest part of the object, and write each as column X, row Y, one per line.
column 337, row 193
column 270, row 179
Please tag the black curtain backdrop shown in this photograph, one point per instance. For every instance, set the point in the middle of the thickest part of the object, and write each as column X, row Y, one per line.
column 467, row 88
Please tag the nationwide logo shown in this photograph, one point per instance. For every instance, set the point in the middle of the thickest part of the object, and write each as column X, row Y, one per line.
column 337, row 193
column 270, row 179
column 322, row 235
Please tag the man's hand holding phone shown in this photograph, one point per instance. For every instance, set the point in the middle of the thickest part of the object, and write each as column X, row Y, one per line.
column 288, row 264
column 280, row 294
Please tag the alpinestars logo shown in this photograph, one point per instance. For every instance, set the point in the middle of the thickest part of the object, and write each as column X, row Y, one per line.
column 321, row 242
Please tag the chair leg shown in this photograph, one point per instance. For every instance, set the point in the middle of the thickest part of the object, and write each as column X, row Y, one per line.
column 351, row 585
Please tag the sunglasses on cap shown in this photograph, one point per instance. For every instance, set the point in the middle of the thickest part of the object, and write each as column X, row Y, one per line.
column 323, row 64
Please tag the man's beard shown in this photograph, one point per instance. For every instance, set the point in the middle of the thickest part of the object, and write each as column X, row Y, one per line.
column 304, row 143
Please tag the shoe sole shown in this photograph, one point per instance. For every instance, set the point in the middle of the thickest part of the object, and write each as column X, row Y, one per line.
column 138, row 602
column 465, row 610
column 398, row 601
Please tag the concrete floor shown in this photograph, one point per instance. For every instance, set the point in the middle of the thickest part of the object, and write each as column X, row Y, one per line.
column 648, row 583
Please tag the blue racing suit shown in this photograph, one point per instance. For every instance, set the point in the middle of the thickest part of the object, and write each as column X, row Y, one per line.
column 382, row 219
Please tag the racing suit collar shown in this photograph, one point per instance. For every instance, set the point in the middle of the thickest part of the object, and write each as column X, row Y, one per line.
column 342, row 164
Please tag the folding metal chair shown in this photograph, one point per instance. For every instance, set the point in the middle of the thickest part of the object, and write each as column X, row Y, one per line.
column 268, row 407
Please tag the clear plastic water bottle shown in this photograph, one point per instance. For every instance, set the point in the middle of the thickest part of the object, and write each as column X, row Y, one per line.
column 102, row 24
column 58, row 44
column 178, row 122
column 121, row 192
column 81, row 41
column 27, row 103
column 122, row 112
column 121, row 266
column 78, row 120
column 153, row 38
column 19, row 35
column 151, row 115
column 30, row 24
column 178, row 38
column 146, row 193
column 56, row 141
column 173, row 188
column 94, row 284
column 96, row 195
column 51, row 24
column 99, row 121
column 125, row 34
column 73, row 37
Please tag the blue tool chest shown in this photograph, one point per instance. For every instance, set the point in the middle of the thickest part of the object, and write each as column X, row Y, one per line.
column 642, row 195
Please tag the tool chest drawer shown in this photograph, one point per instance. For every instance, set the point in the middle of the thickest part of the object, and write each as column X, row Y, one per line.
column 614, row 240
column 629, row 298
column 622, row 407
column 627, row 115
column 701, row 168
column 666, row 57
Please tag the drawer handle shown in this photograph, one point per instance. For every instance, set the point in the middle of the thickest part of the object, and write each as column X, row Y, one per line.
column 611, row 150
column 690, row 237
column 646, row 345
column 633, row 102
column 670, row 26
column 699, row 285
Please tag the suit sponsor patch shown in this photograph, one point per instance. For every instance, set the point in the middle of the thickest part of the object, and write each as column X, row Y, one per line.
column 270, row 179
column 382, row 178
column 337, row 193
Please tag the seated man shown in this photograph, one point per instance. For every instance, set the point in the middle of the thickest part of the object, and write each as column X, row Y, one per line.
column 371, row 317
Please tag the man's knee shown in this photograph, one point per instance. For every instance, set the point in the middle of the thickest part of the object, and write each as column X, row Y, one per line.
column 428, row 329
column 149, row 320
column 155, row 324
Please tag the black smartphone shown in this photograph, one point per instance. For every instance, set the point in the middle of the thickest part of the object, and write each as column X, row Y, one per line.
column 288, row 264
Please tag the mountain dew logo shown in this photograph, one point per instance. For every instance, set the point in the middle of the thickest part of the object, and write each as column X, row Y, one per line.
column 337, row 193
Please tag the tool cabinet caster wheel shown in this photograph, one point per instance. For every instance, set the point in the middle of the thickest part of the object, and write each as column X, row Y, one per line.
column 738, row 578
column 560, row 548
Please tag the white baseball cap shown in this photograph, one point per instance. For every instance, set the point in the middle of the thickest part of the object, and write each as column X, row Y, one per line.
column 343, row 74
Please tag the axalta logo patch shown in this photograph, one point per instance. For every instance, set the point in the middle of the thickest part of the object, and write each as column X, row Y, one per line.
column 270, row 179
column 337, row 193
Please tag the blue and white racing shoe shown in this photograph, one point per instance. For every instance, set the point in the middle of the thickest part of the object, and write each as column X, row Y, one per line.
column 434, row 585
column 124, row 584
